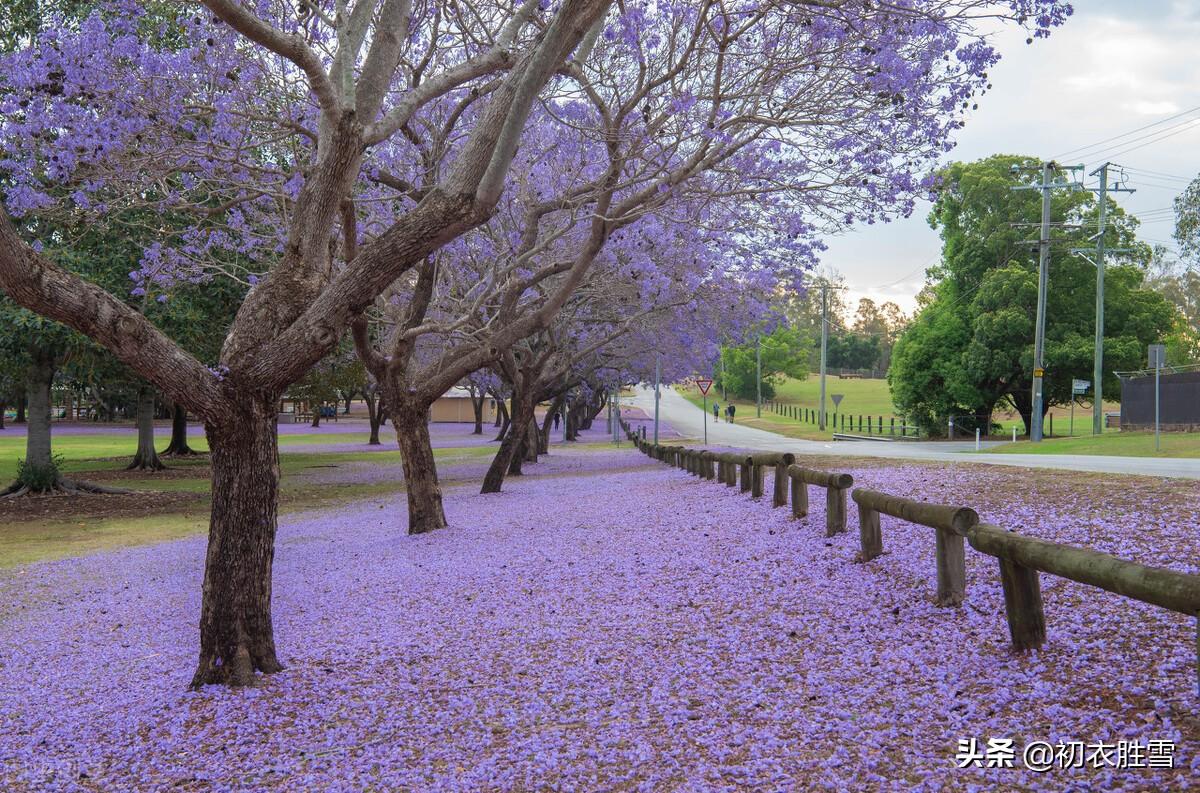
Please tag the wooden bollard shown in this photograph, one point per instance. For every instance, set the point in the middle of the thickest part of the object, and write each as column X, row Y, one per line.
column 835, row 486
column 706, row 465
column 1023, row 605
column 950, row 523
column 870, row 536
column 835, row 510
column 747, row 471
column 759, row 463
column 951, row 568
column 799, row 498
column 780, row 494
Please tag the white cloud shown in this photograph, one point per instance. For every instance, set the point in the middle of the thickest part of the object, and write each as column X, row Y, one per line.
column 1114, row 67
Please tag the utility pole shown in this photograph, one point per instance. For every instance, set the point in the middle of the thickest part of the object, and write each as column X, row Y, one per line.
column 1039, row 334
column 1048, row 169
column 1099, row 251
column 824, row 350
column 758, row 377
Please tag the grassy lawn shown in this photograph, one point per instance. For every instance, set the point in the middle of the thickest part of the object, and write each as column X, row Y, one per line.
column 860, row 396
column 1122, row 444
column 170, row 505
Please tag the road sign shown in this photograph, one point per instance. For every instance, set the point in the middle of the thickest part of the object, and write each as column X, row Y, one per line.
column 837, row 399
column 1158, row 356
column 1039, row 372
column 1080, row 386
column 704, row 385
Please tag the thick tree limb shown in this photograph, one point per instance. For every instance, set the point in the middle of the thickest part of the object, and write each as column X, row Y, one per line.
column 39, row 285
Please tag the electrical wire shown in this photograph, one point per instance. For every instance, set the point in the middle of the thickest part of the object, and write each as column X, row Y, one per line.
column 1128, row 134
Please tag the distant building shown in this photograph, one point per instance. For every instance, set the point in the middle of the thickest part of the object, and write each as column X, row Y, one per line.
column 1178, row 400
column 455, row 405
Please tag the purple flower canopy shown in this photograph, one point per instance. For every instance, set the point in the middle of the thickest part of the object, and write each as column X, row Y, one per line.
column 660, row 633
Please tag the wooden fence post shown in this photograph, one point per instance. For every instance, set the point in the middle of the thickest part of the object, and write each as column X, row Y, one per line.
column 756, row 488
column 1023, row 604
column 835, row 510
column 869, row 533
column 799, row 497
column 747, row 475
column 951, row 569
column 779, row 496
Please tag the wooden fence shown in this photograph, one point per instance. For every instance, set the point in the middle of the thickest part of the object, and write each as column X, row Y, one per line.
column 1020, row 558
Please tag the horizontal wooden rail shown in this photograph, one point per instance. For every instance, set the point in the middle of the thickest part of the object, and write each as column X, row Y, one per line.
column 1022, row 557
column 835, row 495
column 951, row 524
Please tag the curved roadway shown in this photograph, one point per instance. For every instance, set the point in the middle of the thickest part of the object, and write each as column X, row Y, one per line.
column 688, row 420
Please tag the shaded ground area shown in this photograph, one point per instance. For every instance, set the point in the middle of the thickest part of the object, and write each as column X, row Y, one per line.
column 616, row 626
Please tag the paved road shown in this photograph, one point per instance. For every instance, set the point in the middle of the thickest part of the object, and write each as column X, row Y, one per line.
column 688, row 420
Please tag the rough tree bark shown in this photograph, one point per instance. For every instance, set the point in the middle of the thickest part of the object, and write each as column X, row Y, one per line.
column 37, row 400
column 374, row 416
column 20, row 417
column 510, row 446
column 503, row 420
column 316, row 411
column 178, row 447
column 425, row 511
column 236, row 634
column 38, row 440
column 146, row 458
column 476, row 404
column 3, row 409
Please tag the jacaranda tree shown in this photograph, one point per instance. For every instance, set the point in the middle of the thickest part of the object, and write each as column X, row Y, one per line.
column 272, row 122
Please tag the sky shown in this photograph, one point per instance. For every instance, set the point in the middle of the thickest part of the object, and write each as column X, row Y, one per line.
column 1115, row 66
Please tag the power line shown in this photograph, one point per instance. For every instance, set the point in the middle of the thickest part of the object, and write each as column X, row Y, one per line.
column 1129, row 133
column 1179, row 130
column 1157, row 174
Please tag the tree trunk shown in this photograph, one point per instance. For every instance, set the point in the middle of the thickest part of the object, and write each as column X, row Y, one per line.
column 547, row 423
column 503, row 420
column 508, row 453
column 316, row 411
column 374, row 414
column 236, row 635
column 20, row 417
column 349, row 399
column 477, row 405
column 425, row 511
column 3, row 408
column 146, row 458
column 37, row 399
column 533, row 441
column 178, row 447
column 499, row 408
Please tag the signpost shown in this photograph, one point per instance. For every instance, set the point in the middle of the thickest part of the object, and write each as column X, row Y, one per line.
column 704, row 384
column 1077, row 387
column 837, row 400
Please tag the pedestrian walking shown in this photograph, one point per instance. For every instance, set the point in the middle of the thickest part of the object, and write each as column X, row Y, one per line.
column 716, row 413
column 732, row 410
column 557, row 419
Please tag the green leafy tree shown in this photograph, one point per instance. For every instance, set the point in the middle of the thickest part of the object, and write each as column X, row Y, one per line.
column 970, row 348
column 784, row 353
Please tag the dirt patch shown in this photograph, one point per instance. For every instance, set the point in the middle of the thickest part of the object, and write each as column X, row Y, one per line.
column 171, row 473
column 143, row 503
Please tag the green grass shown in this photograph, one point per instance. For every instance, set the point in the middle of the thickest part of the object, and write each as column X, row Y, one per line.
column 43, row 538
column 1118, row 444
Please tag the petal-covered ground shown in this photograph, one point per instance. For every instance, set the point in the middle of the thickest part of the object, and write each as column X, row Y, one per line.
column 609, row 624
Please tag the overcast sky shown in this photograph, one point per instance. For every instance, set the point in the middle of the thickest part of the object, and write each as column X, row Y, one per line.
column 1116, row 65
